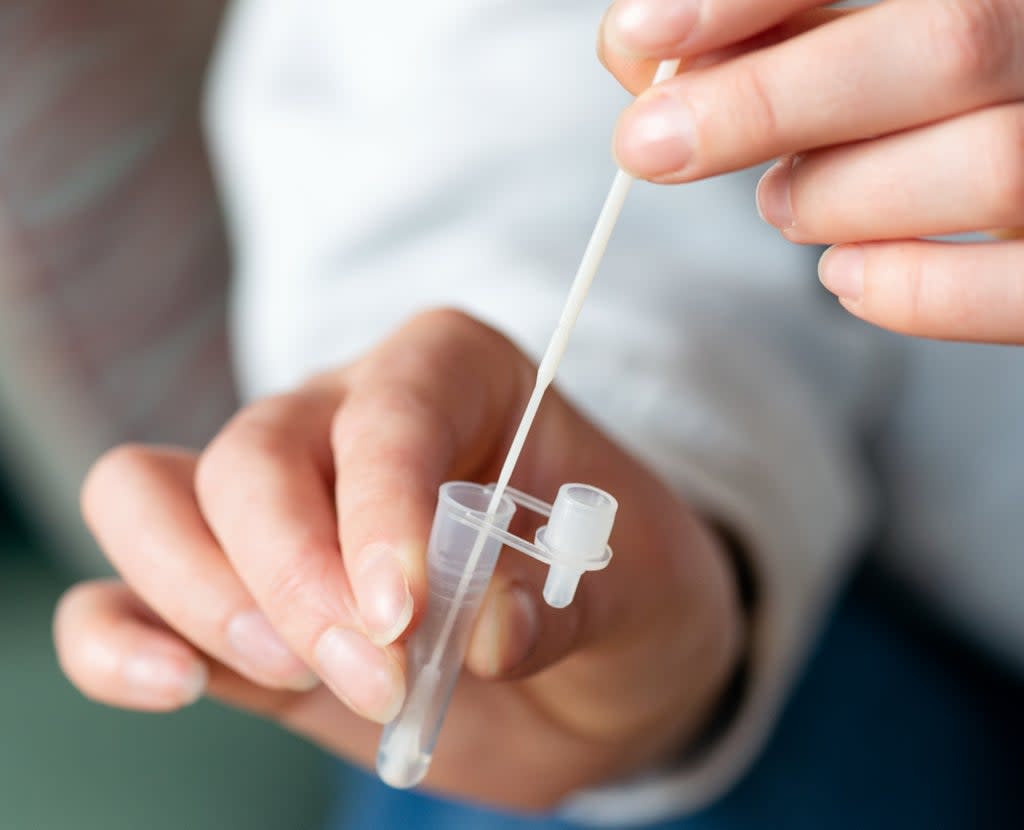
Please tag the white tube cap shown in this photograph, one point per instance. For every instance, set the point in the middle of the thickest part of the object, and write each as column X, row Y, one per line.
column 576, row 537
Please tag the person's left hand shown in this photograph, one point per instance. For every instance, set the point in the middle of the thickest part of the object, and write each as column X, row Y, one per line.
column 895, row 122
column 293, row 548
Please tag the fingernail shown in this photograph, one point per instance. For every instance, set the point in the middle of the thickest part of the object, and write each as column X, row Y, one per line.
column 382, row 594
column 841, row 271
column 260, row 647
column 656, row 136
column 181, row 680
column 367, row 679
column 506, row 633
column 773, row 195
column 641, row 27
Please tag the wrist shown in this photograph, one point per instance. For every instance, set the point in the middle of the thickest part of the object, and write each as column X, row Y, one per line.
column 702, row 661
column 735, row 622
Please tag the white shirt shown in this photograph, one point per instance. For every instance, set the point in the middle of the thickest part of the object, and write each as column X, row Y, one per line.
column 378, row 160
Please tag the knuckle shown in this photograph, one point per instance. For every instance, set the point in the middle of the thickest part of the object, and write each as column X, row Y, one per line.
column 256, row 433
column 109, row 472
column 286, row 588
column 400, row 400
column 754, row 90
column 973, row 40
column 400, row 414
column 295, row 590
column 447, row 319
column 404, row 361
column 440, row 331
column 213, row 466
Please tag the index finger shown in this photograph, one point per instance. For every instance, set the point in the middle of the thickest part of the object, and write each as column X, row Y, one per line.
column 422, row 409
column 651, row 29
column 632, row 42
column 889, row 67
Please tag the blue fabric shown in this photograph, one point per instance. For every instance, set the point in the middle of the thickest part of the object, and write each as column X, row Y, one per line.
column 891, row 727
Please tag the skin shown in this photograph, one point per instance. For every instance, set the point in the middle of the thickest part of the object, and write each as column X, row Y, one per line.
column 291, row 551
column 892, row 123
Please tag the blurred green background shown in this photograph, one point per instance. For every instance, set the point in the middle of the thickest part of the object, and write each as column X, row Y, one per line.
column 69, row 764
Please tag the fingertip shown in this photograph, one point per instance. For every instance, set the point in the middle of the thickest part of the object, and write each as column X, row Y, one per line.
column 368, row 679
column 822, row 263
column 626, row 155
column 619, row 149
column 160, row 679
column 633, row 73
column 264, row 657
column 655, row 138
column 641, row 29
column 773, row 196
column 112, row 653
column 383, row 591
column 194, row 683
column 841, row 271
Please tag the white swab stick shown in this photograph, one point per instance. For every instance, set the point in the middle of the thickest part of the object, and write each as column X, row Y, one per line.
column 548, row 368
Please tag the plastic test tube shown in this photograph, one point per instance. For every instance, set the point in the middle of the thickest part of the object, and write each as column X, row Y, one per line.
column 408, row 741
column 464, row 546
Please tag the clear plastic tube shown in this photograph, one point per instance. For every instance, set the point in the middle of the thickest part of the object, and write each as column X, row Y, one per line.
column 408, row 741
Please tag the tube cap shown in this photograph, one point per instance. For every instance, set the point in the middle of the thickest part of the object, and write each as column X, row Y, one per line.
column 575, row 537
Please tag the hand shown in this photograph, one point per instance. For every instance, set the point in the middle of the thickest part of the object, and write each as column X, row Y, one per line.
column 292, row 550
column 894, row 122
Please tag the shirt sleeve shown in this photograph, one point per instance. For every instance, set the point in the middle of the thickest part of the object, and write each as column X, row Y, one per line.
column 360, row 193
column 745, row 433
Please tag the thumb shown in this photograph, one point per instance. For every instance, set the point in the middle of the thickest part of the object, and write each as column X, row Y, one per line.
column 668, row 575
column 517, row 633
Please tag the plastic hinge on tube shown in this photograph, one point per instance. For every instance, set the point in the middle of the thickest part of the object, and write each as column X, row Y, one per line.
column 573, row 542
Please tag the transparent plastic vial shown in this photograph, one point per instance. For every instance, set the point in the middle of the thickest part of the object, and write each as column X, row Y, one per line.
column 408, row 741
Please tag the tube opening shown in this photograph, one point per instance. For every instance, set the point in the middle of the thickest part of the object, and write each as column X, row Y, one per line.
column 586, row 496
column 468, row 497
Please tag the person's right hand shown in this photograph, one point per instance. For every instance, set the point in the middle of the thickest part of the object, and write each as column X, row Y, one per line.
column 292, row 549
column 893, row 124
